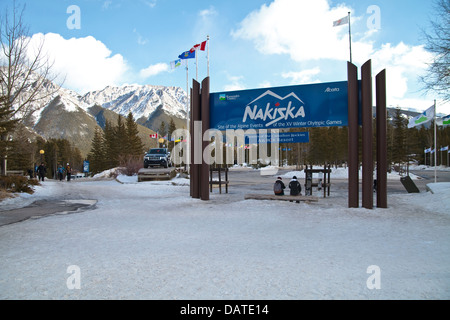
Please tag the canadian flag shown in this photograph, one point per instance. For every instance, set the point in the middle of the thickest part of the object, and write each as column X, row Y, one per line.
column 201, row 46
column 154, row 136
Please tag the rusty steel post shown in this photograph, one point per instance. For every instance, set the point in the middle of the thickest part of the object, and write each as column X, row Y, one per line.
column 380, row 80
column 204, row 171
column 195, row 120
column 353, row 136
column 191, row 148
column 367, row 132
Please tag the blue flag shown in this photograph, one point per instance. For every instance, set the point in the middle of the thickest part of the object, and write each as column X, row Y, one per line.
column 187, row 55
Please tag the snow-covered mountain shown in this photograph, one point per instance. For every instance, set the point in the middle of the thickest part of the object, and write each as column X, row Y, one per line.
column 141, row 100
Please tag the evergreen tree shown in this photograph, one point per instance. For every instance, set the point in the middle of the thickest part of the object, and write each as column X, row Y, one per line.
column 172, row 128
column 162, row 132
column 111, row 146
column 21, row 153
column 7, row 124
column 162, row 129
column 121, row 138
column 134, row 144
column 399, row 148
column 96, row 156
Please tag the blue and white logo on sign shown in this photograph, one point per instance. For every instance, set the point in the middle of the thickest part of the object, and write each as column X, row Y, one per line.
column 285, row 108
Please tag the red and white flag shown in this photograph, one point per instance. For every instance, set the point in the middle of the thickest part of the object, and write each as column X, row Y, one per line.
column 201, row 46
column 340, row 22
column 154, row 136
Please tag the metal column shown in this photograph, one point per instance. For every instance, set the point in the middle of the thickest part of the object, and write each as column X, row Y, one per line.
column 380, row 80
column 204, row 170
column 367, row 135
column 353, row 136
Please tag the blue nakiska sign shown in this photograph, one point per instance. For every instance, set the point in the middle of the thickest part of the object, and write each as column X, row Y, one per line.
column 312, row 105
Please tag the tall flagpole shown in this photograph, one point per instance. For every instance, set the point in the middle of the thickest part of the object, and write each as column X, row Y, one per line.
column 350, row 36
column 187, row 94
column 187, row 117
column 435, row 146
column 207, row 54
column 196, row 65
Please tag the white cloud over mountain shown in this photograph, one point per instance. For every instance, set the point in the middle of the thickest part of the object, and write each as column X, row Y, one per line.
column 85, row 63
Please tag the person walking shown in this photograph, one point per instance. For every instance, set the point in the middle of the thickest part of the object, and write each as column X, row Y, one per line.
column 60, row 172
column 42, row 170
column 68, row 171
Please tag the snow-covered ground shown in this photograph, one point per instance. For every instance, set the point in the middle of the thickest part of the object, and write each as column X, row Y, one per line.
column 150, row 240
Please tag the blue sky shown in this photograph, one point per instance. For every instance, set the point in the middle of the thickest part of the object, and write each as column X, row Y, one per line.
column 253, row 43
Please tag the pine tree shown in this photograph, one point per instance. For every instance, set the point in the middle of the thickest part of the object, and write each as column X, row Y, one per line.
column 121, row 138
column 172, row 128
column 96, row 157
column 7, row 125
column 399, row 150
column 135, row 147
column 111, row 146
column 162, row 129
column 20, row 156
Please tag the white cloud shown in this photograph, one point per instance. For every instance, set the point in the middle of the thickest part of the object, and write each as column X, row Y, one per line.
column 235, row 83
column 265, row 84
column 140, row 39
column 403, row 64
column 208, row 13
column 106, row 5
column 154, row 70
column 302, row 29
column 305, row 76
column 86, row 63
column 150, row 4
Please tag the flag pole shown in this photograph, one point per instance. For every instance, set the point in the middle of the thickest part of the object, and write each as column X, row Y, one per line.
column 207, row 54
column 187, row 94
column 435, row 146
column 196, row 65
column 187, row 116
column 350, row 36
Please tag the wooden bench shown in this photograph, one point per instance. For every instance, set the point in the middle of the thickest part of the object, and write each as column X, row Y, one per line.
column 306, row 199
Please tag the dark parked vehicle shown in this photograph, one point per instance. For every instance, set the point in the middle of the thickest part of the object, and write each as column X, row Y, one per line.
column 157, row 157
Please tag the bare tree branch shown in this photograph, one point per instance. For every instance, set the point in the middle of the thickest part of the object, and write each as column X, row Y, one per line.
column 25, row 73
column 437, row 78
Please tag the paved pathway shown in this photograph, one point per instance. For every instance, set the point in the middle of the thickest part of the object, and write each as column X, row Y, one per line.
column 43, row 208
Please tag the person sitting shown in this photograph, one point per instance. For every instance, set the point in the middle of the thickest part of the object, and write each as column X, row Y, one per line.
column 278, row 187
column 295, row 187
